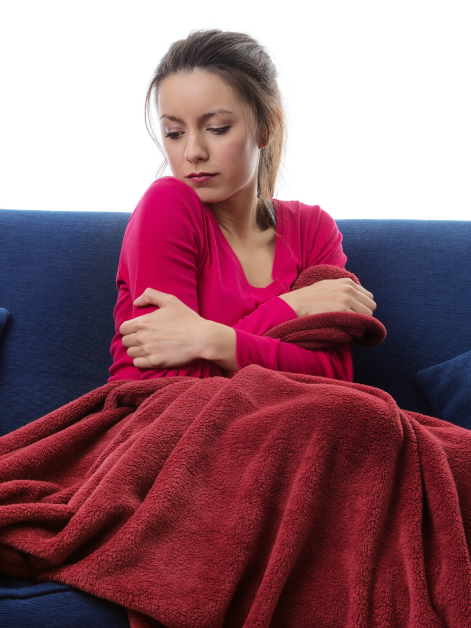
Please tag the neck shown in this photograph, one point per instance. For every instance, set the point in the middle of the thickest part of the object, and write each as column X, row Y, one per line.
column 237, row 216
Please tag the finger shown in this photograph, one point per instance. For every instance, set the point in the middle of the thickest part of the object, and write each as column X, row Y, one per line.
column 361, row 302
column 130, row 340
column 129, row 327
column 364, row 291
column 151, row 297
column 352, row 294
column 142, row 363
column 366, row 301
column 363, row 305
column 136, row 352
column 357, row 286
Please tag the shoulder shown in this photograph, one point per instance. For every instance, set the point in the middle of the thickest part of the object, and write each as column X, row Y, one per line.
column 310, row 219
column 314, row 230
column 166, row 192
column 171, row 187
column 171, row 203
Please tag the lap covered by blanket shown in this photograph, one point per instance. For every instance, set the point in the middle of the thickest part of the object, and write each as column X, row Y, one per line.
column 269, row 499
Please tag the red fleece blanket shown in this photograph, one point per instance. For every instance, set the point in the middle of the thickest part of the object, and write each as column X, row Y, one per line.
column 266, row 500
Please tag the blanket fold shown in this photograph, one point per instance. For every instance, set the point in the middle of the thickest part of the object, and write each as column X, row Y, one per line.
column 267, row 500
column 320, row 331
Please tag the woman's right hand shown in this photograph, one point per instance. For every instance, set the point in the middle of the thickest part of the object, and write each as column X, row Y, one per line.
column 330, row 295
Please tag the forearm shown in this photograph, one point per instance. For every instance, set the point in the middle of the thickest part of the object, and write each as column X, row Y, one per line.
column 334, row 362
column 267, row 315
column 123, row 367
column 220, row 344
column 231, row 350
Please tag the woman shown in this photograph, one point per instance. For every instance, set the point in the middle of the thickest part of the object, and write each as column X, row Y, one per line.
column 274, row 498
column 209, row 247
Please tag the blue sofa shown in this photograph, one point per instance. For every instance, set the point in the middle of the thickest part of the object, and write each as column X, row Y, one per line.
column 58, row 284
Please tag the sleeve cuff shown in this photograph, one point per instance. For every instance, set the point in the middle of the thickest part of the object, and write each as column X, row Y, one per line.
column 253, row 349
column 267, row 315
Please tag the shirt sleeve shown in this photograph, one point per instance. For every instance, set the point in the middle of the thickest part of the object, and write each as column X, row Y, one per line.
column 272, row 353
column 322, row 240
column 266, row 316
column 321, row 244
column 162, row 250
column 170, row 263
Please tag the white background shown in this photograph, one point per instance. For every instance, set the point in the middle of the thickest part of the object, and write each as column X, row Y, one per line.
column 377, row 93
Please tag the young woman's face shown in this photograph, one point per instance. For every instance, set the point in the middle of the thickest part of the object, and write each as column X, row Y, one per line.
column 209, row 136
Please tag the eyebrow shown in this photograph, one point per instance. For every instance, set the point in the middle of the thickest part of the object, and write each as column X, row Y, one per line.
column 203, row 117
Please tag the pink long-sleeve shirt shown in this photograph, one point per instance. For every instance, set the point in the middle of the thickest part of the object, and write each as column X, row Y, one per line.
column 173, row 243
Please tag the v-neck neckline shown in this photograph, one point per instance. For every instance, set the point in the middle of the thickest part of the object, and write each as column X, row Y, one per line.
column 276, row 260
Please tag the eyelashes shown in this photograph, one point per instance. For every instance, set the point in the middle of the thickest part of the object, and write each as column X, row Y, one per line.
column 220, row 131
column 175, row 135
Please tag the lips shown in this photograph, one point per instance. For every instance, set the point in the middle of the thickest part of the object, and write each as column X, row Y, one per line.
column 200, row 177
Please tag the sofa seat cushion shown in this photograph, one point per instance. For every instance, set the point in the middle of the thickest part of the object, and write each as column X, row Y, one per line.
column 25, row 604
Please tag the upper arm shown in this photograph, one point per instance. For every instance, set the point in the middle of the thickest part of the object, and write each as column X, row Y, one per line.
column 161, row 250
column 163, row 244
column 324, row 240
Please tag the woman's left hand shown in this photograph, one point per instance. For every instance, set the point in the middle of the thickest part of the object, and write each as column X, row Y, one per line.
column 172, row 336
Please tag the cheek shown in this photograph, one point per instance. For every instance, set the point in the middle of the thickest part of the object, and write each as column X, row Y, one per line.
column 240, row 156
column 172, row 153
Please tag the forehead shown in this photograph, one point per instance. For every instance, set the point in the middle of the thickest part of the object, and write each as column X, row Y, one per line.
column 191, row 95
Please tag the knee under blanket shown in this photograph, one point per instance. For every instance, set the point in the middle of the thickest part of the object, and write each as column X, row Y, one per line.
column 268, row 499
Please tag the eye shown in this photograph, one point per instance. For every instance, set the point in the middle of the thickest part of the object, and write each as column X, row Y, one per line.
column 220, row 131
column 174, row 135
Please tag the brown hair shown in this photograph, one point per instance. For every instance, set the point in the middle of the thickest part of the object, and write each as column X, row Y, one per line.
column 245, row 65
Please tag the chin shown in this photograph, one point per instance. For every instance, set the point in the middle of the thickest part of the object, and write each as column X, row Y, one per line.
column 208, row 195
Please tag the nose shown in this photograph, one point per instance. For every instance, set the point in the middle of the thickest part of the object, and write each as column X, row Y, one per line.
column 195, row 148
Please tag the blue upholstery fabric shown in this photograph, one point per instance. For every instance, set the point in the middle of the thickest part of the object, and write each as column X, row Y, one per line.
column 419, row 273
column 3, row 317
column 24, row 604
column 57, row 279
column 447, row 388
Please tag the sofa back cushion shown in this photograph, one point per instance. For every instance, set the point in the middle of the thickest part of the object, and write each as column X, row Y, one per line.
column 57, row 280
column 419, row 273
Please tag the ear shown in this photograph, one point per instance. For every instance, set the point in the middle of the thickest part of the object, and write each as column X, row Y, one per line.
column 266, row 132
column 263, row 137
